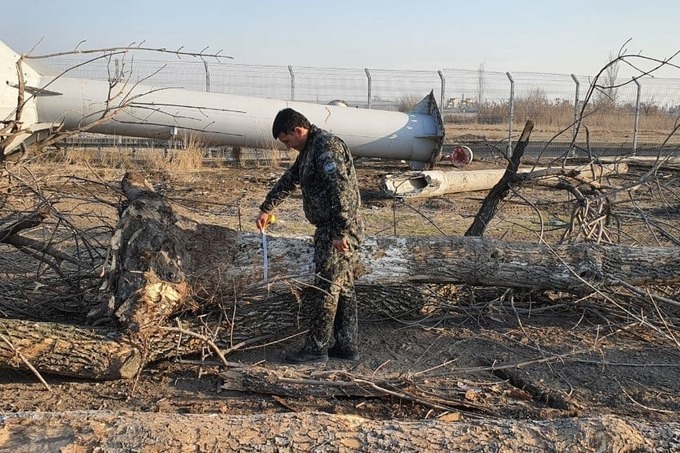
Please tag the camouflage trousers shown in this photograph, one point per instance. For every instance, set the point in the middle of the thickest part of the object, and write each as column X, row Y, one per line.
column 334, row 302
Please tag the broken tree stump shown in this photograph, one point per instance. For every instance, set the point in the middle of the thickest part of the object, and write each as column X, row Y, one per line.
column 500, row 190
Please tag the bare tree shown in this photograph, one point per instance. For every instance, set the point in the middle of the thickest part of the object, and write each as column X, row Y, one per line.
column 407, row 102
column 608, row 96
column 481, row 83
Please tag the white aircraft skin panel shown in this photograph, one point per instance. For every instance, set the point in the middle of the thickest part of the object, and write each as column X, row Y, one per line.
column 9, row 81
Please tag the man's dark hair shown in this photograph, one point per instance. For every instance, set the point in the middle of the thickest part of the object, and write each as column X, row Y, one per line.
column 287, row 120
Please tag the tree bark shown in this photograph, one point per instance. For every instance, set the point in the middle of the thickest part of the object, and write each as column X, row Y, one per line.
column 106, row 431
column 83, row 352
column 574, row 268
column 148, row 256
column 68, row 350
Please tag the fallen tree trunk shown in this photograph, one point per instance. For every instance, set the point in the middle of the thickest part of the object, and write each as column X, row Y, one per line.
column 106, row 354
column 648, row 161
column 160, row 263
column 394, row 271
column 574, row 268
column 83, row 352
column 101, row 430
column 68, row 350
column 254, row 308
column 434, row 183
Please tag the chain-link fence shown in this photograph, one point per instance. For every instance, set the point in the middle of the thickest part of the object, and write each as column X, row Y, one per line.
column 627, row 113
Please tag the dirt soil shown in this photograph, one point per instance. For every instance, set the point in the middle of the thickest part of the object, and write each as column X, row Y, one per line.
column 492, row 356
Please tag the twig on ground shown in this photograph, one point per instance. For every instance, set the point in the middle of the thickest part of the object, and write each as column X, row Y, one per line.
column 663, row 411
column 204, row 339
column 25, row 362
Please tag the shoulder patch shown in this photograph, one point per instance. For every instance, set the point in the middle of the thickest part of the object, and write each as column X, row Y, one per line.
column 326, row 155
column 329, row 167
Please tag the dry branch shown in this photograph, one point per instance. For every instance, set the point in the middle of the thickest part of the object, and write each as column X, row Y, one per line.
column 32, row 220
column 290, row 382
column 293, row 382
column 499, row 191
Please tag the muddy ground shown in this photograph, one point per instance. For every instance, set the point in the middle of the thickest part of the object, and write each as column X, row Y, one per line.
column 484, row 354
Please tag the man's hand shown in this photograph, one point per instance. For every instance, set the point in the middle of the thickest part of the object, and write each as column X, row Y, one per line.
column 261, row 221
column 341, row 245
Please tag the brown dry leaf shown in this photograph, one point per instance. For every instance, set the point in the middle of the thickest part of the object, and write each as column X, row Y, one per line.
column 470, row 395
column 352, row 443
column 450, row 417
column 519, row 394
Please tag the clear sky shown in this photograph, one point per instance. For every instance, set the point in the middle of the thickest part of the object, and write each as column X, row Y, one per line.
column 574, row 36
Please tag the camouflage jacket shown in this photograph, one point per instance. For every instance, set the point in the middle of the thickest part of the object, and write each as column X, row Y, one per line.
column 325, row 173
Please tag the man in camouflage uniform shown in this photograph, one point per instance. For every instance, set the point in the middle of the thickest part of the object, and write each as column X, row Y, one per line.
column 330, row 198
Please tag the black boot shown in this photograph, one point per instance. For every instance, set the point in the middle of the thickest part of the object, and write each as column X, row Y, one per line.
column 303, row 356
column 345, row 354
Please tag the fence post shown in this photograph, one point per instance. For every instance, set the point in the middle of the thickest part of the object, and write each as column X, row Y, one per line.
column 207, row 76
column 637, row 115
column 441, row 105
column 576, row 109
column 292, row 82
column 575, row 128
column 117, row 74
column 368, row 76
column 512, row 113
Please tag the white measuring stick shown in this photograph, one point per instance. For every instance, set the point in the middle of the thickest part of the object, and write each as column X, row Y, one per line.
column 265, row 247
column 265, row 244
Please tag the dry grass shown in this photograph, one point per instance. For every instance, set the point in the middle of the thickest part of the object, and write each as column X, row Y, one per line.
column 105, row 158
column 550, row 117
column 408, row 102
column 274, row 158
column 190, row 158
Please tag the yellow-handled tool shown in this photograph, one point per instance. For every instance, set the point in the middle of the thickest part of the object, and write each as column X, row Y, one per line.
column 265, row 243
